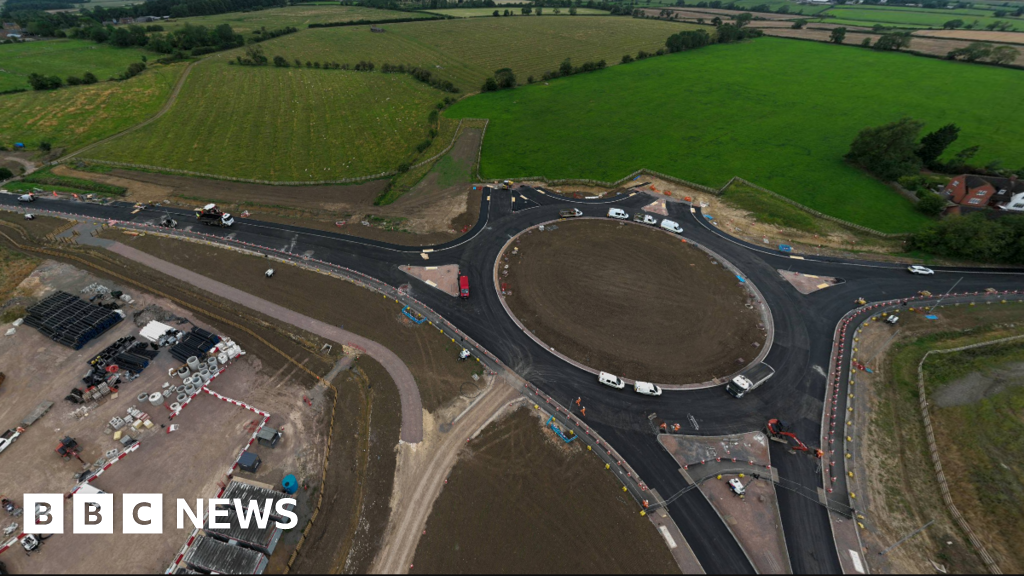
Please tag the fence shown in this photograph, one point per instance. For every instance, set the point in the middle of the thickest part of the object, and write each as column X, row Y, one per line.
column 990, row 562
column 351, row 180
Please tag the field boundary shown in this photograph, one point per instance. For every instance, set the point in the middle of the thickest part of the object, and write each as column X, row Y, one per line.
column 933, row 448
column 162, row 169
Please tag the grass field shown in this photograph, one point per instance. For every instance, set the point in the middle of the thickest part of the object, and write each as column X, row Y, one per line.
column 868, row 16
column 62, row 58
column 680, row 114
column 284, row 124
column 467, row 51
column 476, row 12
column 72, row 117
column 794, row 7
column 299, row 16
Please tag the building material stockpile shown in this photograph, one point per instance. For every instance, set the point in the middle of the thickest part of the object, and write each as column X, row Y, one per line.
column 196, row 343
column 69, row 320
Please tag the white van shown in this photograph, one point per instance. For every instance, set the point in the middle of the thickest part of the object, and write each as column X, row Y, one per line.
column 611, row 379
column 672, row 226
column 618, row 213
column 647, row 388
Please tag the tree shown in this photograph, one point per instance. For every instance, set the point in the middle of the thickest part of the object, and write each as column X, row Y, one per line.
column 626, row 58
column 557, row 11
column 798, row 24
column 490, row 85
column 1004, row 55
column 837, row 36
column 743, row 19
column 888, row 151
column 931, row 204
column 866, row 42
column 960, row 160
column 716, row 21
column 280, row 62
column 572, row 11
column 972, row 52
column 527, row 10
column 893, row 41
column 495, row 13
column 565, row 68
column 40, row 82
column 953, row 24
column 540, row 10
column 505, row 78
column 687, row 40
column 5, row 173
column 974, row 237
column 89, row 78
column 935, row 143
column 45, row 146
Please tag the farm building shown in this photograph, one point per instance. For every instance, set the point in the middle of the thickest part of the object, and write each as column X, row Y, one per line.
column 987, row 191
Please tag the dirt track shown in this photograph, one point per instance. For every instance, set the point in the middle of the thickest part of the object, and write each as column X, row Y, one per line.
column 632, row 301
column 520, row 501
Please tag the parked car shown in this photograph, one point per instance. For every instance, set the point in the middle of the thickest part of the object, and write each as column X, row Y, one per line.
column 27, row 198
column 736, row 485
column 892, row 319
column 570, row 213
column 647, row 388
column 611, row 379
column 920, row 270
column 618, row 213
column 672, row 226
column 463, row 286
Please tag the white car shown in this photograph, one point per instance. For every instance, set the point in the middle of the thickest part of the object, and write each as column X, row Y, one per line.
column 920, row 270
column 611, row 380
column 737, row 486
column 672, row 226
column 618, row 213
column 647, row 388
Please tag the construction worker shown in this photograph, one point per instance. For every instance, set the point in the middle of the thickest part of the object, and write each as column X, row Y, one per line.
column 578, row 399
column 583, row 410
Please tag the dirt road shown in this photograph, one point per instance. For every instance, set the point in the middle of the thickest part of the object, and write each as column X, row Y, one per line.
column 412, row 408
column 422, row 470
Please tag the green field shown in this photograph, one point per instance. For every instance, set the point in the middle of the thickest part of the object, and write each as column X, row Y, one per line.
column 72, row 117
column 467, row 51
column 794, row 7
column 476, row 12
column 62, row 58
column 284, row 124
column 867, row 16
column 299, row 16
column 722, row 111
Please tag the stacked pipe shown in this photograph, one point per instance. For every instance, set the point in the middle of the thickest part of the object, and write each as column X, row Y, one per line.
column 125, row 353
column 69, row 320
column 196, row 343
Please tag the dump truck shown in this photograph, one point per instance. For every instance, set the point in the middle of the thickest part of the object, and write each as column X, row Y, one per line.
column 211, row 215
column 570, row 213
column 749, row 379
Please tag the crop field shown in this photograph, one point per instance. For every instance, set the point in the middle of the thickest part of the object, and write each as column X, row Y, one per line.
column 467, row 51
column 664, row 114
column 298, row 16
column 72, row 117
column 476, row 12
column 283, row 124
column 62, row 58
column 917, row 18
column 794, row 8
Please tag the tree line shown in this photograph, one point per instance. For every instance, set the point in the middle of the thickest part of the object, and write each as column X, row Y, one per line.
column 974, row 237
column 41, row 82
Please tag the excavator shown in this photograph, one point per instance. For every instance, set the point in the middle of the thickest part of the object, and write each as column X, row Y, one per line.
column 779, row 432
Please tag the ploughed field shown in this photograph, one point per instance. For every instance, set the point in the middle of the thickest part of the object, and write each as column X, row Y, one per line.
column 632, row 301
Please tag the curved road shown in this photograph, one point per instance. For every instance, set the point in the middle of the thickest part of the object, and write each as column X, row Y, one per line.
column 804, row 327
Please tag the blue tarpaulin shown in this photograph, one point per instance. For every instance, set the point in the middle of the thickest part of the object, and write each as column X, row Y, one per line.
column 932, row 317
column 785, row 248
column 709, row 217
column 741, row 278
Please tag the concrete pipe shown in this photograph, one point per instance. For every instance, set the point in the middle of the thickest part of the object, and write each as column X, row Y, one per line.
column 142, row 397
column 211, row 364
column 184, row 372
column 190, row 390
column 180, row 388
column 204, row 374
column 193, row 363
column 181, row 397
column 156, row 398
column 175, row 406
column 222, row 358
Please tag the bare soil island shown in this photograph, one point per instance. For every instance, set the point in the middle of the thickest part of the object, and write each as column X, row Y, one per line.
column 633, row 301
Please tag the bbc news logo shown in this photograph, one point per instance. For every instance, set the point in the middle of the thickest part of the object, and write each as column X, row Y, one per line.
column 144, row 513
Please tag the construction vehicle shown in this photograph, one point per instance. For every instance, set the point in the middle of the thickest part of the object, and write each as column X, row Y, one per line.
column 8, row 438
column 749, row 379
column 507, row 185
column 68, row 449
column 860, row 301
column 779, row 432
column 168, row 222
column 570, row 213
column 211, row 215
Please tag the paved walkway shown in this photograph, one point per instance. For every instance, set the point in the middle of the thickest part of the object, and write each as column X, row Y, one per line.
column 412, row 407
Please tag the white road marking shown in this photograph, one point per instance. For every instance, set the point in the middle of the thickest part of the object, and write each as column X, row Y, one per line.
column 668, row 537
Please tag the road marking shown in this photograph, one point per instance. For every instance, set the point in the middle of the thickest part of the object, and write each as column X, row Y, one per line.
column 810, row 275
column 822, row 285
column 429, row 283
column 668, row 537
column 693, row 421
column 693, row 210
column 424, row 256
column 431, row 267
column 513, row 199
column 819, row 370
column 856, row 561
column 428, row 250
column 796, row 257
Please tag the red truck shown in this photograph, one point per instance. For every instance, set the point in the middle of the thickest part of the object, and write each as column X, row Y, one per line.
column 463, row 286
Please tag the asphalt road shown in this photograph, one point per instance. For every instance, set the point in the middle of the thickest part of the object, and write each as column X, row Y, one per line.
column 804, row 326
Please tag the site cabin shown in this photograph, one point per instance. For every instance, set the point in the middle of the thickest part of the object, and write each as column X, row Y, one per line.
column 463, row 286
column 611, row 380
column 570, row 213
column 749, row 379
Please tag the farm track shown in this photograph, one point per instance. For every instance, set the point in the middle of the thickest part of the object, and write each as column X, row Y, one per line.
column 164, row 110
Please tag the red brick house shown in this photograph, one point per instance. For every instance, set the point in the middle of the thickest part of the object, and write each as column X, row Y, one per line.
column 986, row 191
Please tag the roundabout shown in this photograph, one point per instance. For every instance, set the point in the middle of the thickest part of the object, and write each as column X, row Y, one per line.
column 631, row 300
